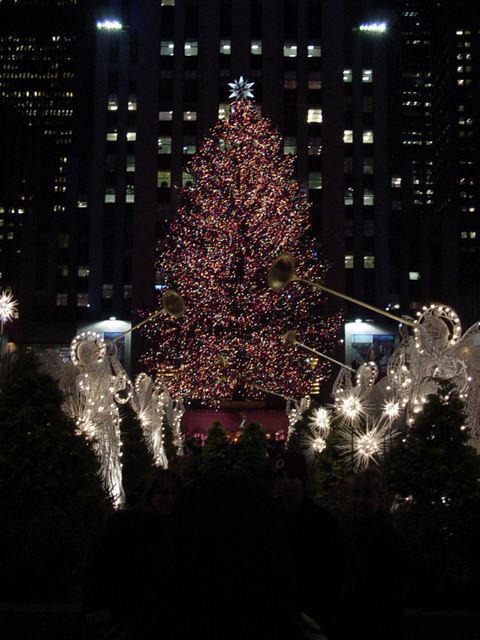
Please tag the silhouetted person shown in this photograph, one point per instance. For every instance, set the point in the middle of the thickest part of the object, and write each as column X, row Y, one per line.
column 374, row 560
column 126, row 576
column 314, row 542
column 232, row 579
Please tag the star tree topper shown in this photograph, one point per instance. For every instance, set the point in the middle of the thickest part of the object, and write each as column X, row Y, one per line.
column 240, row 89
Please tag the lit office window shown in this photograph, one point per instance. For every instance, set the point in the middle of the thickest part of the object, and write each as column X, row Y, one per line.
column 315, row 180
column 164, row 178
column 83, row 271
column 191, row 48
column 314, row 115
column 190, row 115
column 165, row 145
column 396, row 181
column 112, row 102
column 367, row 75
column 130, row 163
column 348, row 197
column 187, row 179
column 112, row 136
column 290, row 51
column 348, row 136
column 369, row 262
column 130, row 193
column 314, row 51
column 413, row 275
column 225, row 47
column 132, row 102
column 256, row 47
column 62, row 300
column 367, row 137
column 223, row 110
column 349, row 262
column 82, row 299
column 189, row 145
column 165, row 115
column 131, row 136
column 289, row 145
column 166, row 48
column 367, row 197
column 347, row 75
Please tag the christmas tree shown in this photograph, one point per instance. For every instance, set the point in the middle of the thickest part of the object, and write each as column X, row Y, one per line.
column 242, row 210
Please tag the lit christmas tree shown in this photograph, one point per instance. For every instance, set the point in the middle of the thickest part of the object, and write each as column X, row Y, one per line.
column 242, row 210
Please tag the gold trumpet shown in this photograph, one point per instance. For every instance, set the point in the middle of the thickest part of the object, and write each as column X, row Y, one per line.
column 254, row 386
column 172, row 304
column 221, row 362
column 282, row 272
column 290, row 338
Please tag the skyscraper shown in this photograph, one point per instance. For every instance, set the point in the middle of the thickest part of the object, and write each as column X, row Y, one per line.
column 46, row 98
column 372, row 98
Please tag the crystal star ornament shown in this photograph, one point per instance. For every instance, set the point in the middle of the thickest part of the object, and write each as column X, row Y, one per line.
column 240, row 89
column 7, row 306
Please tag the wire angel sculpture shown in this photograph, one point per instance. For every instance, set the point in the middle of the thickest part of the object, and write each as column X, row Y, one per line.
column 101, row 385
column 150, row 407
column 438, row 350
column 174, row 410
column 295, row 409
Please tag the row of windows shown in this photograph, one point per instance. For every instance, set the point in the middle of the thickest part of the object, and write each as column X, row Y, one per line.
column 82, row 298
column 313, row 116
column 190, row 48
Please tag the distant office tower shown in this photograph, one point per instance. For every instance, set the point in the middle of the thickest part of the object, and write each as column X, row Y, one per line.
column 438, row 163
column 377, row 100
column 45, row 97
column 162, row 72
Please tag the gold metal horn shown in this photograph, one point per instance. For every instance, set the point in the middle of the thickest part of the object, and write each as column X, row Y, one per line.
column 172, row 304
column 221, row 362
column 290, row 338
column 282, row 272
column 254, row 386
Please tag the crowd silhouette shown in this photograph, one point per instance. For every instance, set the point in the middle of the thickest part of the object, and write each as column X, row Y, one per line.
column 229, row 557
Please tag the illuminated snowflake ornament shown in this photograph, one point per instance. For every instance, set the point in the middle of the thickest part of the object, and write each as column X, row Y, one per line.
column 8, row 306
column 240, row 89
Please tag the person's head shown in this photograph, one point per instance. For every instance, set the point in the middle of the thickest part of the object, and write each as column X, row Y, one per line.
column 161, row 491
column 368, row 491
column 290, row 474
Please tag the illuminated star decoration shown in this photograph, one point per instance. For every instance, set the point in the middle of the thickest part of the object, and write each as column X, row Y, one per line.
column 8, row 306
column 363, row 444
column 314, row 441
column 240, row 89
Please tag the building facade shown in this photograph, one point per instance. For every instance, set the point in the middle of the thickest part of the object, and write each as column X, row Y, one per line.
column 370, row 97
